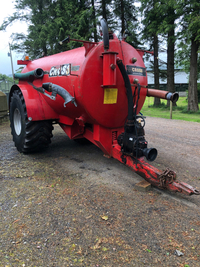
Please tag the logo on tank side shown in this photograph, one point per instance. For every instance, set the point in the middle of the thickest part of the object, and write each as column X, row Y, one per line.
column 63, row 70
column 133, row 70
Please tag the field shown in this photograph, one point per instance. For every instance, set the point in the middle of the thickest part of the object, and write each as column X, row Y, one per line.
column 179, row 113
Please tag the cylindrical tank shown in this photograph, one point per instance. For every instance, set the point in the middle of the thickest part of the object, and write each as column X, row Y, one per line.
column 94, row 80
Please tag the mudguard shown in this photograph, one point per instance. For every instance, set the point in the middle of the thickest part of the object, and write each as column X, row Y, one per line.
column 36, row 106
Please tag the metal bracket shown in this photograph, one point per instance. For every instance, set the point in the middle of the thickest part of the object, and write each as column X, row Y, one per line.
column 50, row 96
column 167, row 177
column 161, row 179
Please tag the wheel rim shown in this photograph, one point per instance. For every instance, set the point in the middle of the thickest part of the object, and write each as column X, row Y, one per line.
column 17, row 121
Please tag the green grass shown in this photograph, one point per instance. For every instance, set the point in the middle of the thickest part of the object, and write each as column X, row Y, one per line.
column 179, row 113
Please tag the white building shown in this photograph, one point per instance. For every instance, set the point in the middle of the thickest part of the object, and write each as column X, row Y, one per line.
column 180, row 77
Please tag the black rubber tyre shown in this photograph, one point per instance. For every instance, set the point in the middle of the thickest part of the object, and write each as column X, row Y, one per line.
column 28, row 136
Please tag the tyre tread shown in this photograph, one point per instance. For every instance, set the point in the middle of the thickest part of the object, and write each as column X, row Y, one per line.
column 38, row 134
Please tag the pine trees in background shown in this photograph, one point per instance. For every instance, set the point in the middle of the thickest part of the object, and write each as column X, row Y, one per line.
column 152, row 20
column 190, row 39
column 50, row 21
column 127, row 14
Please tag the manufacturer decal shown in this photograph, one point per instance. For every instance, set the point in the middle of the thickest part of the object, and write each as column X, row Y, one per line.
column 75, row 68
column 63, row 70
column 132, row 70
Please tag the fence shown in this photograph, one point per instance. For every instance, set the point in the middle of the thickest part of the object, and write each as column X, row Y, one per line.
column 5, row 86
column 179, row 87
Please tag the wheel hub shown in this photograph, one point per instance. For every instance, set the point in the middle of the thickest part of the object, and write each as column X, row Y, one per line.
column 17, row 121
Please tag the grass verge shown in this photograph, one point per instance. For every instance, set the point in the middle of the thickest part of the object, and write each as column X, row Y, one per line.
column 180, row 112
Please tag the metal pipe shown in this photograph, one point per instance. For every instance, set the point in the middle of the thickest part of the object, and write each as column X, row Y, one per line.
column 37, row 73
column 68, row 39
column 163, row 94
column 150, row 153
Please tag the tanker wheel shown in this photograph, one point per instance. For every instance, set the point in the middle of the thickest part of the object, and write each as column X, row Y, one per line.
column 28, row 136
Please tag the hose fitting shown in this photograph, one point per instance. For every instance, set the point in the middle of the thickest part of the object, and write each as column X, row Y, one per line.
column 56, row 89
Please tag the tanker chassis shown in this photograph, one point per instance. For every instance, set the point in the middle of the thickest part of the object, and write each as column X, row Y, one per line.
column 95, row 92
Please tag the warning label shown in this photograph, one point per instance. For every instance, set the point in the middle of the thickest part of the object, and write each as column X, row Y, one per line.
column 110, row 95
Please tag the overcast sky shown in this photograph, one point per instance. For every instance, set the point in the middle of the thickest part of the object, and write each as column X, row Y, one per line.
column 7, row 9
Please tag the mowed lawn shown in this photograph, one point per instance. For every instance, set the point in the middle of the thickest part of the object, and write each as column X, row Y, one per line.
column 180, row 112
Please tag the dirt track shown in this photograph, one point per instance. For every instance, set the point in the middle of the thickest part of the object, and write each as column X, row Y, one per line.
column 70, row 206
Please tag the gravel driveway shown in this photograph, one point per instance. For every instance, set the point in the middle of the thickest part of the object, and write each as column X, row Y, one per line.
column 70, row 206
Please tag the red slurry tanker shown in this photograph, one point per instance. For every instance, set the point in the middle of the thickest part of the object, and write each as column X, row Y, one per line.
column 94, row 92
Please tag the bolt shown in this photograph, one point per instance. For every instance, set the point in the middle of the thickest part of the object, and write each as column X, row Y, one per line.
column 133, row 60
column 113, row 66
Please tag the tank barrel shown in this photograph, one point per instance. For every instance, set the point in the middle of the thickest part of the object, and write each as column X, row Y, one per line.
column 163, row 94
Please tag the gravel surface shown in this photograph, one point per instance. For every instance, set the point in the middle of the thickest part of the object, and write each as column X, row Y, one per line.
column 70, row 206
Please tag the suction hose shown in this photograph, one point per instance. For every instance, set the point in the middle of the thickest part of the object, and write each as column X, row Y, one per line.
column 128, row 88
column 37, row 73
column 104, row 27
column 56, row 89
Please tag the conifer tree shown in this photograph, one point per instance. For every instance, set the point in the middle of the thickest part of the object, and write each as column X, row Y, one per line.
column 170, row 12
column 50, row 22
column 190, row 35
column 151, row 21
column 105, row 10
column 126, row 12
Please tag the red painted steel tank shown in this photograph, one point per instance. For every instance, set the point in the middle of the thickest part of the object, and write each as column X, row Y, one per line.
column 93, row 92
column 95, row 81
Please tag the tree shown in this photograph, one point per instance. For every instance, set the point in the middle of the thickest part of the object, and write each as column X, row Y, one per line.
column 50, row 22
column 190, row 32
column 4, row 77
column 36, row 13
column 94, row 21
column 170, row 12
column 104, row 10
column 151, row 22
column 126, row 12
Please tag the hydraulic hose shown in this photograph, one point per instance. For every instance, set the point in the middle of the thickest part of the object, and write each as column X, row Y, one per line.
column 104, row 27
column 128, row 88
column 37, row 73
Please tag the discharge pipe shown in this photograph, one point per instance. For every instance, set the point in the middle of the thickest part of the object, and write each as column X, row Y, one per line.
column 163, row 94
column 150, row 153
column 37, row 73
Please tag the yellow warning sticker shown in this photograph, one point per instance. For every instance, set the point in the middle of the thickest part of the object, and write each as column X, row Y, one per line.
column 110, row 95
